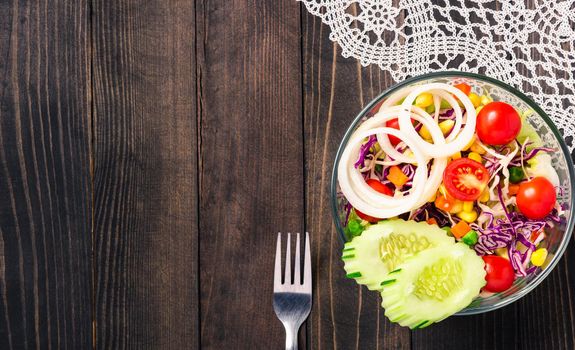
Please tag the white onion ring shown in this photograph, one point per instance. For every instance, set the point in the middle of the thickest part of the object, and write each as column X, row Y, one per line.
column 362, row 196
column 439, row 164
column 459, row 140
column 374, row 203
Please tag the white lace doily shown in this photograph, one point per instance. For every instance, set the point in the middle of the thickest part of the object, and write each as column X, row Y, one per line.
column 529, row 47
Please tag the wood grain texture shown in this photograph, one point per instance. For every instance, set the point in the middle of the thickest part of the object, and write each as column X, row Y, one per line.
column 345, row 316
column 45, row 204
column 145, row 175
column 251, row 164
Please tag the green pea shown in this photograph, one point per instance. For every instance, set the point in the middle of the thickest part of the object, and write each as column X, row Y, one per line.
column 444, row 104
column 516, row 174
column 470, row 238
column 354, row 228
column 430, row 109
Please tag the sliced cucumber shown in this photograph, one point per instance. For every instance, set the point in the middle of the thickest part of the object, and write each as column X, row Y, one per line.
column 433, row 285
column 528, row 131
column 379, row 249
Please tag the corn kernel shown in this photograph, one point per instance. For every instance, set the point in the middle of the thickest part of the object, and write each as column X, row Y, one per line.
column 502, row 252
column 484, row 196
column 475, row 156
column 467, row 206
column 475, row 147
column 475, row 99
column 424, row 100
column 538, row 257
column 457, row 207
column 425, row 133
column 468, row 216
column 485, row 100
column 471, row 142
column 478, row 109
column 456, row 155
column 446, row 126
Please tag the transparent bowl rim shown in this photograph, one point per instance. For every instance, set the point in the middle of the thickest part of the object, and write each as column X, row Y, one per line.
column 445, row 74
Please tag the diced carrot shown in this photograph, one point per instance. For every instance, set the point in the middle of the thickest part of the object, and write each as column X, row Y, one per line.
column 444, row 203
column 432, row 221
column 536, row 234
column 460, row 229
column 397, row 177
column 463, row 87
column 513, row 189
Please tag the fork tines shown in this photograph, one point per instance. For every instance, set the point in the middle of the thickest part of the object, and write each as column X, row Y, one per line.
column 295, row 285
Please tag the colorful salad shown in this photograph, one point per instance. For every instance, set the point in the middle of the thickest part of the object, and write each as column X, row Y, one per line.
column 450, row 196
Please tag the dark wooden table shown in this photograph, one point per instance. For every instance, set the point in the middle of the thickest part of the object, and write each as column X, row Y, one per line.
column 149, row 153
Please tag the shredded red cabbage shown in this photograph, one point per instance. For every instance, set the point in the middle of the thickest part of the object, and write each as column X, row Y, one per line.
column 448, row 114
column 429, row 210
column 507, row 232
column 364, row 151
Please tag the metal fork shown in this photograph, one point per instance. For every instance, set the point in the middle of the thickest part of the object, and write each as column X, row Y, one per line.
column 292, row 301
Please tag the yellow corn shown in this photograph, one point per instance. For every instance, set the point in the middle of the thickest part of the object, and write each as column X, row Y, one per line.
column 425, row 133
column 457, row 207
column 478, row 109
column 475, row 147
column 469, row 144
column 475, row 99
column 502, row 252
column 485, row 100
column 468, row 216
column 456, row 155
column 467, row 206
column 484, row 196
column 424, row 100
column 446, row 126
column 475, row 156
column 538, row 257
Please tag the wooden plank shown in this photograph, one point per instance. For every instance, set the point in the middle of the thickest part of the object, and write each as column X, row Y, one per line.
column 251, row 164
column 145, row 200
column 345, row 316
column 45, row 201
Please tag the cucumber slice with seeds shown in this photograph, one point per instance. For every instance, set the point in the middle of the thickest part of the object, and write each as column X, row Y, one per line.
column 382, row 247
column 432, row 285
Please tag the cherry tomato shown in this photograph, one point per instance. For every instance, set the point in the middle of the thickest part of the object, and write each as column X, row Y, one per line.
column 379, row 187
column 394, row 123
column 498, row 123
column 465, row 179
column 500, row 274
column 536, row 198
column 463, row 87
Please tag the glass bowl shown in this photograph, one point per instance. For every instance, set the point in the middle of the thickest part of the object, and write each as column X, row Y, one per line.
column 558, row 237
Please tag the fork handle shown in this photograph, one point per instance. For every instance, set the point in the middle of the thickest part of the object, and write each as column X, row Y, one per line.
column 291, row 335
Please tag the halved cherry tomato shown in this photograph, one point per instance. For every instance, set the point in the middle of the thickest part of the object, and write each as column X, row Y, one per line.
column 536, row 198
column 500, row 274
column 379, row 187
column 463, row 87
column 498, row 123
column 465, row 179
